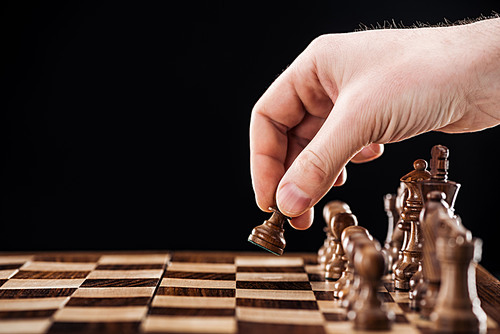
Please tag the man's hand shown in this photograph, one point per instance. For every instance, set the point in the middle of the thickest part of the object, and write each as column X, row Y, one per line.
column 348, row 94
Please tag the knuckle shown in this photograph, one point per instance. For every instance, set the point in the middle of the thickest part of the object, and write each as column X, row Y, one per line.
column 314, row 167
column 322, row 40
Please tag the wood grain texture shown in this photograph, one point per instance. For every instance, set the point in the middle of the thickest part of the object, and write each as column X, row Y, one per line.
column 201, row 292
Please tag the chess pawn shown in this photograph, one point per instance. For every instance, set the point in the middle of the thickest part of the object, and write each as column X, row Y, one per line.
column 358, row 244
column 458, row 308
column 269, row 235
column 411, row 254
column 354, row 239
column 336, row 263
column 342, row 285
column 418, row 288
column 329, row 211
column 367, row 312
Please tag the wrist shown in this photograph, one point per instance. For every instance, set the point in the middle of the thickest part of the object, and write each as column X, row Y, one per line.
column 483, row 43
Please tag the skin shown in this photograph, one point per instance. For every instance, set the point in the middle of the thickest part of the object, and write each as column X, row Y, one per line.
column 348, row 94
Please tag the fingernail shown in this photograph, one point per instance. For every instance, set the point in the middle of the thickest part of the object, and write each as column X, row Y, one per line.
column 292, row 200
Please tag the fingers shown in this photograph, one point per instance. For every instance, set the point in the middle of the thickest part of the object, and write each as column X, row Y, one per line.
column 304, row 221
column 281, row 127
column 368, row 153
column 271, row 119
column 318, row 167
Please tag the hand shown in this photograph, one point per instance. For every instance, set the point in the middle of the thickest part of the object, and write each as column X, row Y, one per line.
column 348, row 94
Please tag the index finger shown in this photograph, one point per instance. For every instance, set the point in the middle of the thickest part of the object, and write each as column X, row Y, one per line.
column 278, row 110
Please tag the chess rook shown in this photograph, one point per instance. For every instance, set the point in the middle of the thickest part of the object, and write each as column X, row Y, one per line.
column 270, row 235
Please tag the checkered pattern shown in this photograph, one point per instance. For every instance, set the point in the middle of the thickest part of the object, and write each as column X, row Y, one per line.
column 259, row 294
column 85, row 293
column 203, row 293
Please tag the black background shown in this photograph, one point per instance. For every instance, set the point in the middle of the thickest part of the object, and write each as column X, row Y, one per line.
column 125, row 125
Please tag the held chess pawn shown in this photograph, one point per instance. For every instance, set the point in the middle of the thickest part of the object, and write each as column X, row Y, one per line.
column 329, row 211
column 269, row 235
column 336, row 263
column 458, row 308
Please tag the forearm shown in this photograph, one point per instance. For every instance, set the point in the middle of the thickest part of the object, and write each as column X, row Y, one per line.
column 483, row 46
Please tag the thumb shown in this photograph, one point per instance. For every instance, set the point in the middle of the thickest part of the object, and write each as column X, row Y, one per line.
column 317, row 167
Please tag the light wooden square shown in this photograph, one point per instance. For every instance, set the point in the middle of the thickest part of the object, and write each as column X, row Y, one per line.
column 101, row 314
column 178, row 324
column 41, row 283
column 198, row 283
column 259, row 261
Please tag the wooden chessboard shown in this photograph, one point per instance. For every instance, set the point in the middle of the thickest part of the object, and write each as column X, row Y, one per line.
column 188, row 292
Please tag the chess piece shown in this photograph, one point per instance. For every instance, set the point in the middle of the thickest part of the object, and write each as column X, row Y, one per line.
column 329, row 211
column 401, row 232
column 350, row 294
column 391, row 247
column 458, row 308
column 411, row 254
column 354, row 242
column 437, row 220
column 343, row 284
column 438, row 182
column 367, row 312
column 336, row 263
column 269, row 235
column 439, row 176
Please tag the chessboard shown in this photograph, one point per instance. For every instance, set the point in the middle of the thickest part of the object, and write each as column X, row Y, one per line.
column 190, row 292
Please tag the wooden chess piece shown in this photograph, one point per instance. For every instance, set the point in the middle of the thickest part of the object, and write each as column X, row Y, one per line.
column 437, row 220
column 438, row 181
column 353, row 241
column 367, row 312
column 336, row 263
column 458, row 308
column 411, row 254
column 269, row 235
column 391, row 245
column 342, row 285
column 401, row 232
column 329, row 211
column 351, row 294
